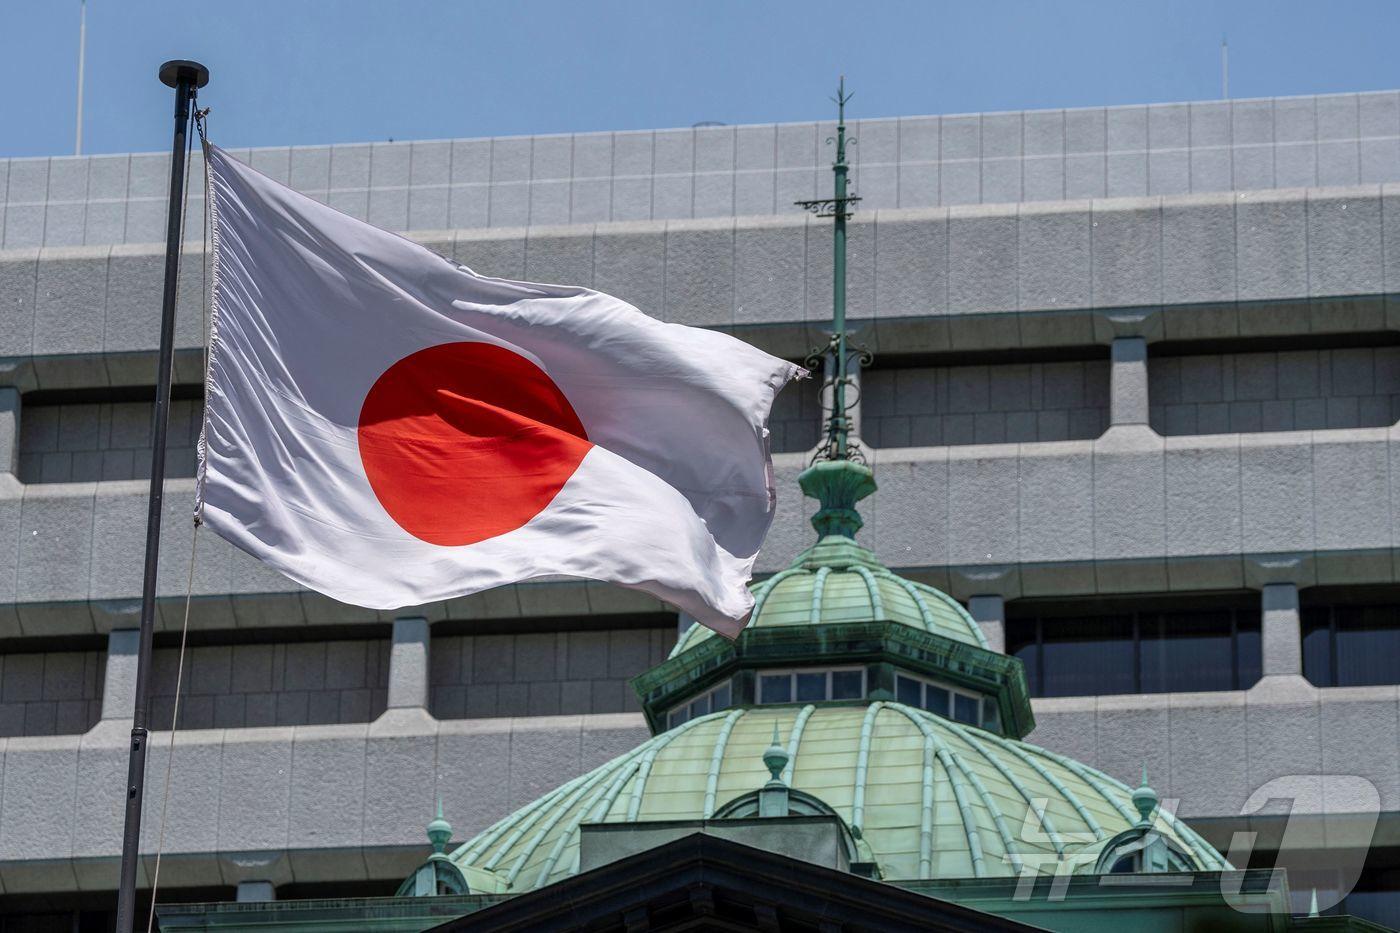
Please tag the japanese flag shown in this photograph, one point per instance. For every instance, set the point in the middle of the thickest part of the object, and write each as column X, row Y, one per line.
column 390, row 428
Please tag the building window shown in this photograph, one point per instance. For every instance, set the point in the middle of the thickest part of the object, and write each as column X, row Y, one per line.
column 86, row 436
column 993, row 403
column 948, row 702
column 716, row 698
column 1351, row 646
column 1137, row 652
column 809, row 686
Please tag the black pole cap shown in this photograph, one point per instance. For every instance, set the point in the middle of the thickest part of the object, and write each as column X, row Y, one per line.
column 172, row 73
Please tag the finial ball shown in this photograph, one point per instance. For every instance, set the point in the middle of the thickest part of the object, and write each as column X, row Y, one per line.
column 1145, row 800
column 775, row 757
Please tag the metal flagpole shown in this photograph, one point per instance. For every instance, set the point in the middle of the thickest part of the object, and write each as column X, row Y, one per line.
column 1224, row 68
column 185, row 77
column 82, row 56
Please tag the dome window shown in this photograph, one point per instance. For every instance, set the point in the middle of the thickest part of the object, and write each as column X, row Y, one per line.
column 948, row 702
column 811, row 686
column 716, row 698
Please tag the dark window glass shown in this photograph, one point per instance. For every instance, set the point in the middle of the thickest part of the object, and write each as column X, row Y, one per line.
column 846, row 685
column 909, row 692
column 936, row 700
column 811, row 687
column 965, row 709
column 720, row 698
column 1351, row 646
column 679, row 716
column 1183, row 652
column 991, row 715
column 700, row 707
column 1023, row 644
column 1367, row 646
column 775, row 688
column 1317, row 646
column 1142, row 652
column 1249, row 651
column 1081, row 657
column 1381, row 907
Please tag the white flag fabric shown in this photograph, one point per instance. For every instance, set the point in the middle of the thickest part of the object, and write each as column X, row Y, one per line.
column 390, row 428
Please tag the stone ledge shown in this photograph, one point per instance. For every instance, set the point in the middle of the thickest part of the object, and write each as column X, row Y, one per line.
column 309, row 803
column 1131, row 512
column 971, row 277
column 289, row 804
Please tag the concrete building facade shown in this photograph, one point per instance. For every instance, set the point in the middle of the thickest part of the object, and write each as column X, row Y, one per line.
column 1134, row 401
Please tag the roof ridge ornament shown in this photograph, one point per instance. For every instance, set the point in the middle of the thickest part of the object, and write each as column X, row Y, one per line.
column 1145, row 800
column 439, row 832
column 773, row 798
column 775, row 759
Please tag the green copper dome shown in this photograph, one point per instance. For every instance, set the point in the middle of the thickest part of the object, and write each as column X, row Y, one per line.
column 836, row 605
column 911, row 739
column 930, row 798
column 837, row 580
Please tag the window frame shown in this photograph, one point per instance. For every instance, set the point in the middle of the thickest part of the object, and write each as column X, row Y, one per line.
column 727, row 684
column 1138, row 620
column 982, row 700
column 792, row 673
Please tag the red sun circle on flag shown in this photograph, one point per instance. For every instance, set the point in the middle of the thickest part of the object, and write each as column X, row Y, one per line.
column 466, row 441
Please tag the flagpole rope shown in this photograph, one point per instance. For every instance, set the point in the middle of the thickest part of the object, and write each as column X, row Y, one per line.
column 174, row 721
column 194, row 534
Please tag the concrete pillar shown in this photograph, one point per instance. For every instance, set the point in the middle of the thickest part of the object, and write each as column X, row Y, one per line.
column 408, row 665
column 1282, row 637
column 990, row 614
column 255, row 892
column 9, row 430
column 1128, row 381
column 119, row 688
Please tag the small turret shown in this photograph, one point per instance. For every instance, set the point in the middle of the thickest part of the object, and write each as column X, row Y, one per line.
column 438, row 875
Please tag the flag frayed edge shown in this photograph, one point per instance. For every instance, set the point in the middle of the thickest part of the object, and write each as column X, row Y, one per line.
column 202, row 447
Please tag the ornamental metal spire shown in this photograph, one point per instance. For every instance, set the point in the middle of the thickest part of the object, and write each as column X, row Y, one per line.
column 838, row 478
column 836, row 354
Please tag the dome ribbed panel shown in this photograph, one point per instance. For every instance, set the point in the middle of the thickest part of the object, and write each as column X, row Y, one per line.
column 801, row 596
column 932, row 798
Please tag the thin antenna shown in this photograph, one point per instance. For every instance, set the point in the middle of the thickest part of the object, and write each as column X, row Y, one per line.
column 1224, row 68
column 82, row 54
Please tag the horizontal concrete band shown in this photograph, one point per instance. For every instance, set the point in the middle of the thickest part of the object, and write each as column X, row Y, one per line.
column 283, row 804
column 915, row 161
column 344, row 802
column 1209, row 752
column 958, row 273
column 1131, row 511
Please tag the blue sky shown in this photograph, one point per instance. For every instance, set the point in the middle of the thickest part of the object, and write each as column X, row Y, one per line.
column 321, row 71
